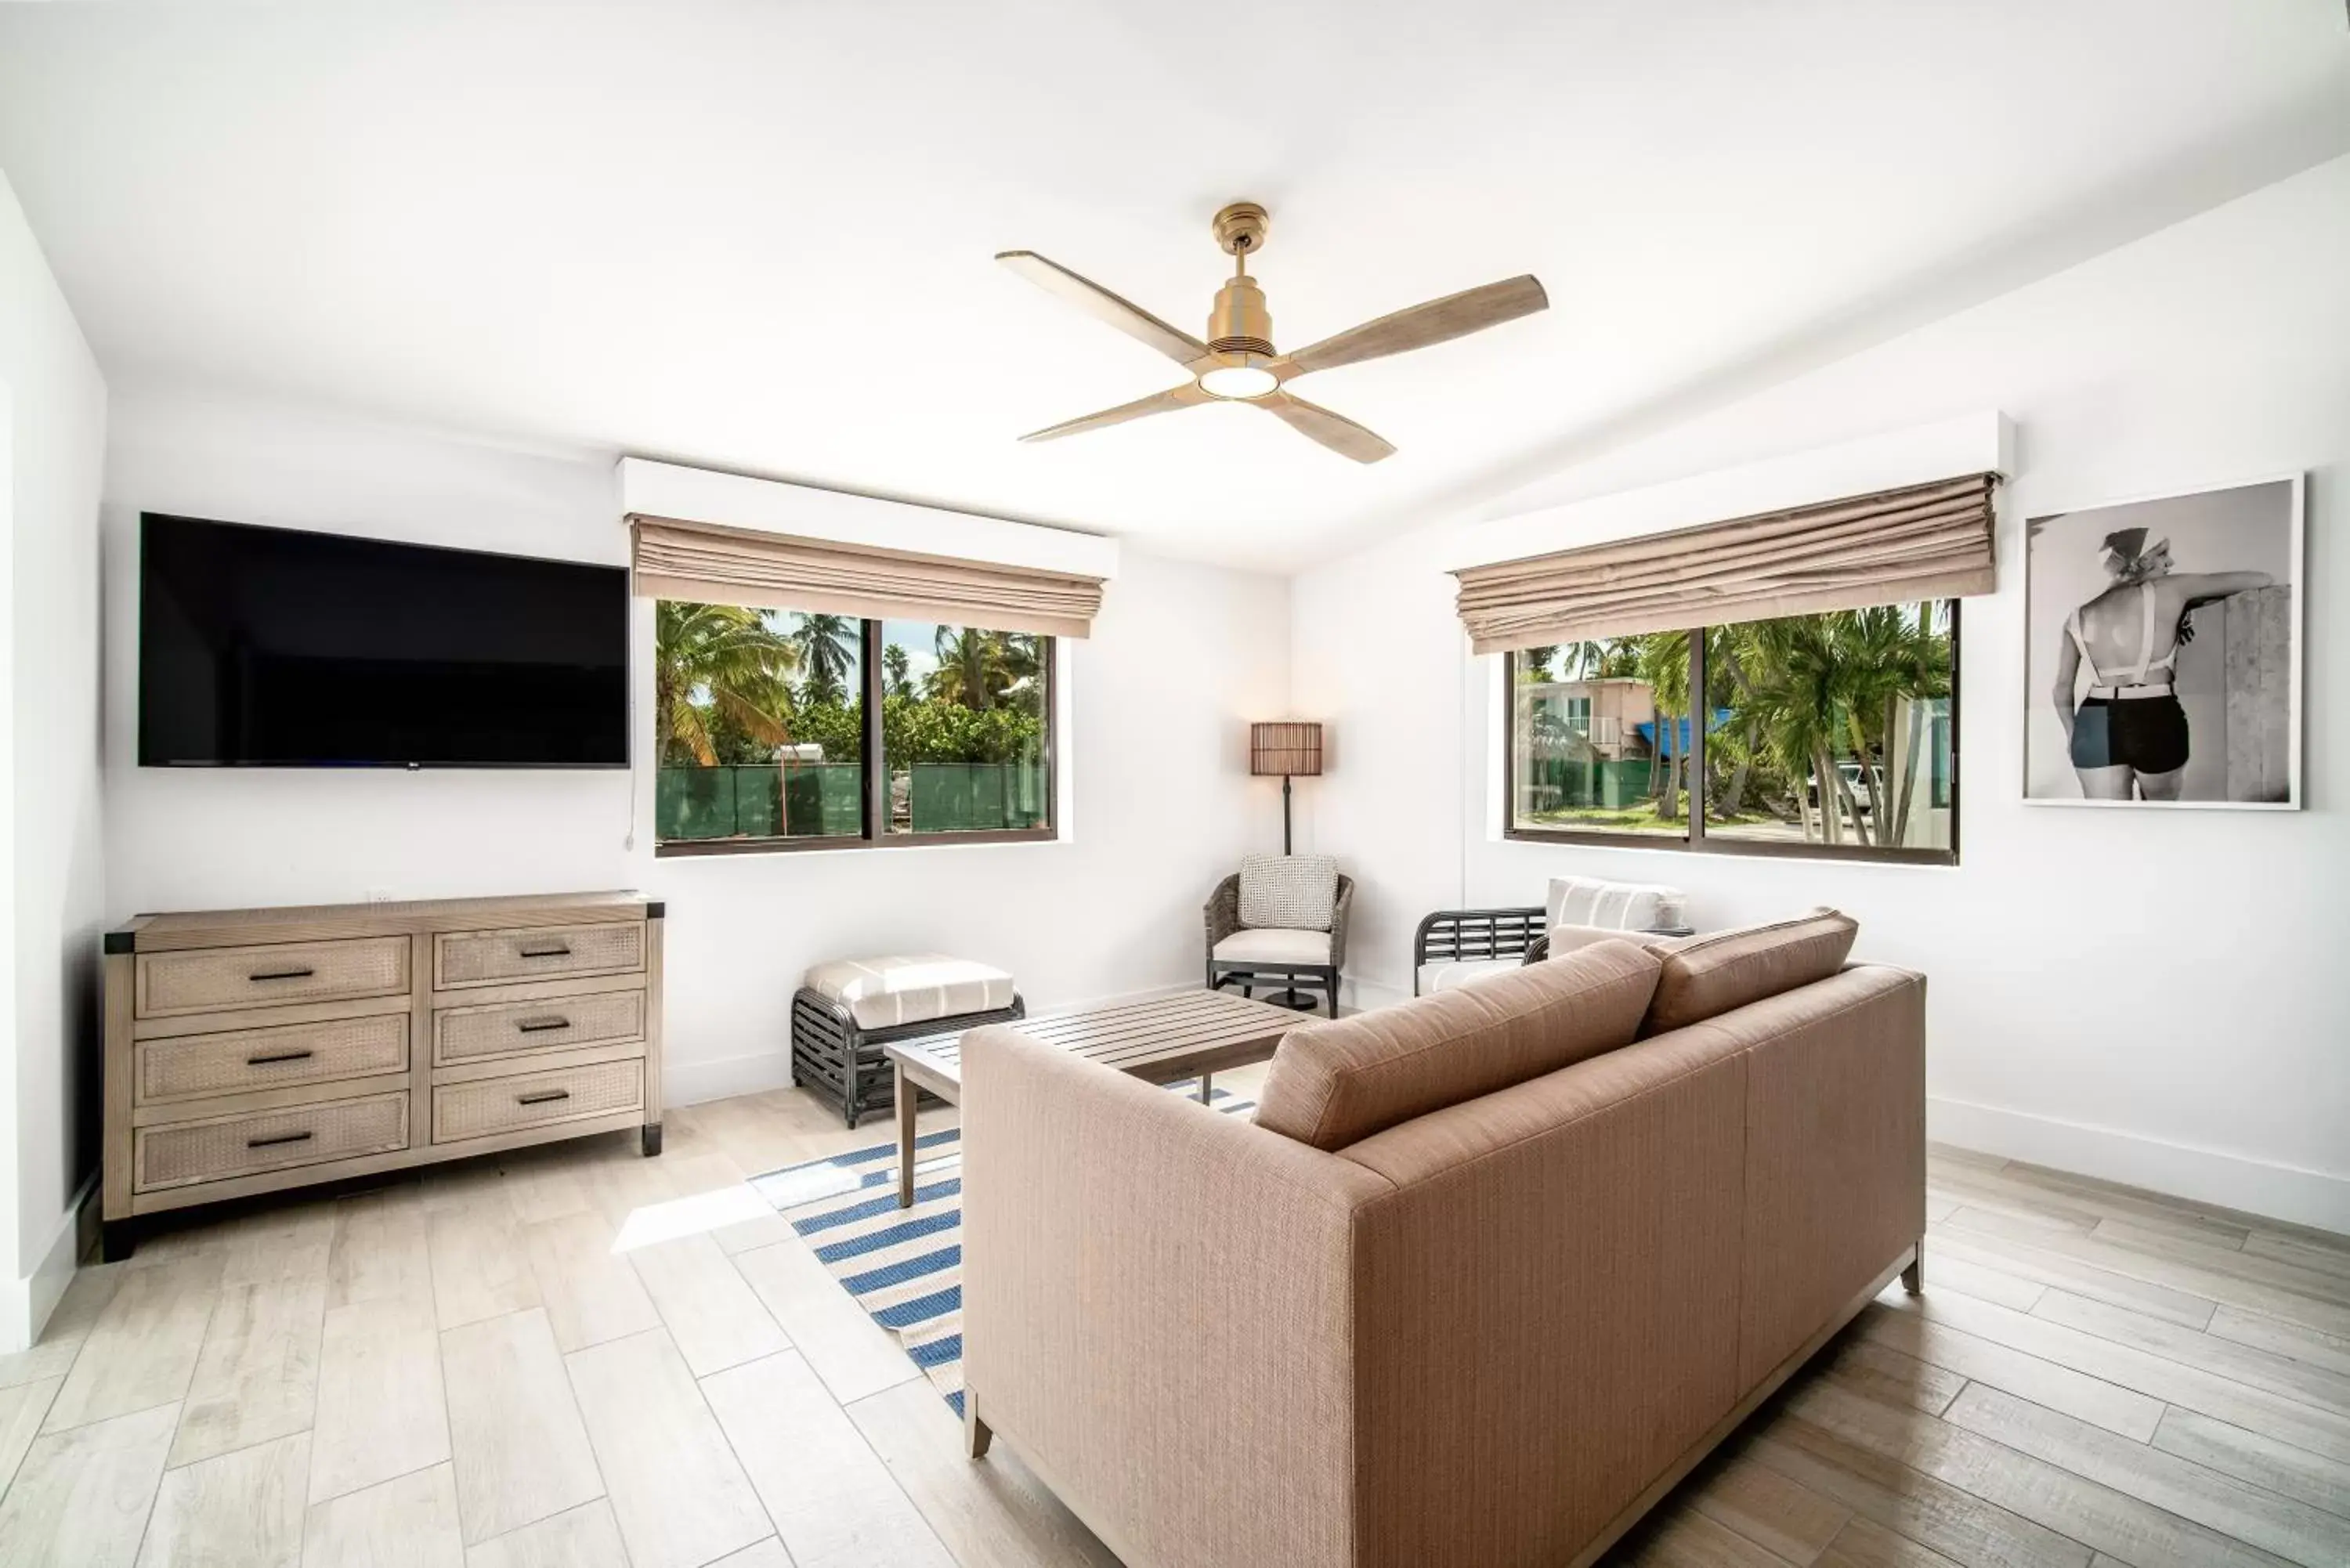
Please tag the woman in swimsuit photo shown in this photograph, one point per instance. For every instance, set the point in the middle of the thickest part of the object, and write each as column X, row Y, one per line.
column 2127, row 733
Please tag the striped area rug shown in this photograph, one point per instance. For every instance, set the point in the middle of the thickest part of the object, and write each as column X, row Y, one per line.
column 902, row 1265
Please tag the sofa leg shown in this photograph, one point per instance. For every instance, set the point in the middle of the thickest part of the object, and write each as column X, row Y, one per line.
column 1913, row 1278
column 976, row 1434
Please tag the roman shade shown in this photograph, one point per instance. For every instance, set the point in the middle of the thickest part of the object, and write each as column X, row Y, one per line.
column 709, row 563
column 1920, row 542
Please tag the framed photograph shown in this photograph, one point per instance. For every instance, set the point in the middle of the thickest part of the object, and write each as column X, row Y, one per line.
column 2164, row 660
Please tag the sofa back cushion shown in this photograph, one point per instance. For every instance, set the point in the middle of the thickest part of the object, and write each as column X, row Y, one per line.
column 1335, row 1084
column 1588, row 902
column 1708, row 975
column 1289, row 892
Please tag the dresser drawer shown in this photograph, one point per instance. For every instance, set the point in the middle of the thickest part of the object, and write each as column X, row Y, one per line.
column 180, row 1153
column 271, row 1058
column 473, row 1033
column 542, row 952
column 489, row 1106
column 206, row 979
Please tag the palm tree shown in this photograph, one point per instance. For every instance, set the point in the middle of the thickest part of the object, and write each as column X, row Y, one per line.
column 1726, row 655
column 720, row 657
column 1814, row 687
column 973, row 666
column 1791, row 702
column 1909, row 664
column 1663, row 661
column 1599, row 659
column 893, row 665
column 827, row 652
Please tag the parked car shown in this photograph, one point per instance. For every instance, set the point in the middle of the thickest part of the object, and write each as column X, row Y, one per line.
column 1856, row 783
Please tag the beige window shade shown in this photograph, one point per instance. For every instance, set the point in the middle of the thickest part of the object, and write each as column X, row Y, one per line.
column 713, row 565
column 1923, row 541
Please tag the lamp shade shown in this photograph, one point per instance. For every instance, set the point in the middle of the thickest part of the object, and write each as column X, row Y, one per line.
column 1286, row 749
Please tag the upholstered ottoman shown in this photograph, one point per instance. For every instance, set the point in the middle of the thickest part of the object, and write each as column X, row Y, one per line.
column 845, row 1010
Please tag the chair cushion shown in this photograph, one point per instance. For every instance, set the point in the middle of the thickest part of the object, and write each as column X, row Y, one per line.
column 1707, row 975
column 1334, row 1084
column 910, row 988
column 1274, row 947
column 1611, row 905
column 1451, row 974
column 1290, row 892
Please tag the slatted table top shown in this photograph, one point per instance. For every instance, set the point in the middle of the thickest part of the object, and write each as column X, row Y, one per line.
column 1163, row 1041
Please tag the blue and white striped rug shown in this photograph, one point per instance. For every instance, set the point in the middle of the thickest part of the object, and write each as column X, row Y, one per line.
column 902, row 1265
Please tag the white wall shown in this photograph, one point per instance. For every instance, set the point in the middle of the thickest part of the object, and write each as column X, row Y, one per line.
column 52, row 455
column 2156, row 998
column 1182, row 657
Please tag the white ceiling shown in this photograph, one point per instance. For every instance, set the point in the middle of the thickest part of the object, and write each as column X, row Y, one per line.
column 757, row 236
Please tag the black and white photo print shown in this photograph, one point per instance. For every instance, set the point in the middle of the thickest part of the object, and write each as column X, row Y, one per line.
column 2165, row 659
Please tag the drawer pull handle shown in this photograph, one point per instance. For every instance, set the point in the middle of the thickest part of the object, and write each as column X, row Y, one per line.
column 541, row 1025
column 302, row 974
column 282, row 1138
column 542, row 1099
column 279, row 1056
column 560, row 950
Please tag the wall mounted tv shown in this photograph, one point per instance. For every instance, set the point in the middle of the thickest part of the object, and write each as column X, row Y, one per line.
column 274, row 648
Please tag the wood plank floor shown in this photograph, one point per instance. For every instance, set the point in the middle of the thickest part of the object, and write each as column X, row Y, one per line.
column 576, row 1357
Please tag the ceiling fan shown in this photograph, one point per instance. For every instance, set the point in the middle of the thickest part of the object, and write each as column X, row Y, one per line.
column 1238, row 364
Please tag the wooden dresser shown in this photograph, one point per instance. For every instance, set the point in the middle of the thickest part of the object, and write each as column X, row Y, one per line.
column 251, row 1050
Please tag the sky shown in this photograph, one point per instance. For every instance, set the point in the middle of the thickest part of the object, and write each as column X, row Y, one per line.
column 918, row 637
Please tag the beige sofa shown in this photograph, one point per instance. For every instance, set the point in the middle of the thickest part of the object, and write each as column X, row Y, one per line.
column 1490, row 1271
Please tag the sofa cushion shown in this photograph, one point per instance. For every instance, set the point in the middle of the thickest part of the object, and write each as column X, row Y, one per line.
column 1586, row 901
column 1451, row 974
column 1289, row 892
column 1707, row 975
column 1334, row 1084
column 1274, row 947
column 910, row 988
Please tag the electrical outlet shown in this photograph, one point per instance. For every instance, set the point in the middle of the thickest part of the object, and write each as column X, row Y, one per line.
column 378, row 895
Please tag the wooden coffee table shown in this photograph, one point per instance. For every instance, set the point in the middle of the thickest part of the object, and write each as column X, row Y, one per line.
column 1163, row 1041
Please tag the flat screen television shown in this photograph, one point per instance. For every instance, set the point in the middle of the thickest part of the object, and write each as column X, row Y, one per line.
column 276, row 647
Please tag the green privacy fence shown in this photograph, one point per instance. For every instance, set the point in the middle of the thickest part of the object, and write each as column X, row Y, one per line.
column 759, row 801
column 972, row 797
column 766, row 801
column 1562, row 782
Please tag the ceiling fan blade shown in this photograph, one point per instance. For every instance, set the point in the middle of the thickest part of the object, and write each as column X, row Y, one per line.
column 1104, row 306
column 1173, row 398
column 1454, row 315
column 1339, row 434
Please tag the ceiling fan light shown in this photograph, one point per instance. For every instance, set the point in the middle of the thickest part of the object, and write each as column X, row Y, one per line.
column 1242, row 381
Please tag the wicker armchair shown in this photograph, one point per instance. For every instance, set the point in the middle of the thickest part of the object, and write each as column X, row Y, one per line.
column 1484, row 937
column 1297, row 974
column 1454, row 946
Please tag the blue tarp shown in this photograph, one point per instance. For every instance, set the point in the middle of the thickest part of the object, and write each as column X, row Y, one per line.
column 1677, row 739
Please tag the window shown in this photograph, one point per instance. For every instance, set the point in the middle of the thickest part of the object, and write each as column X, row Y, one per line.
column 1830, row 734
column 765, row 733
column 962, row 728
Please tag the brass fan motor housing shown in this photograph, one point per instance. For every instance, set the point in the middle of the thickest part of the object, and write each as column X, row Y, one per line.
column 1239, row 324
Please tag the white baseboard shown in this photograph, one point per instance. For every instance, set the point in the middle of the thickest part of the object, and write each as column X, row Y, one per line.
column 2208, row 1175
column 28, row 1301
column 690, row 1082
column 1360, row 993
